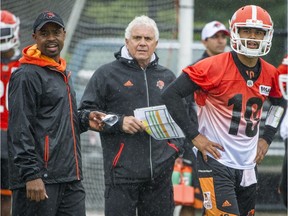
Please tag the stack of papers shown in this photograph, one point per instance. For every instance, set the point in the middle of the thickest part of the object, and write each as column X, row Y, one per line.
column 158, row 122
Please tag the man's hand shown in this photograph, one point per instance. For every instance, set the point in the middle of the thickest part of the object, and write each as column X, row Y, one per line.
column 35, row 190
column 262, row 149
column 204, row 145
column 95, row 120
column 132, row 125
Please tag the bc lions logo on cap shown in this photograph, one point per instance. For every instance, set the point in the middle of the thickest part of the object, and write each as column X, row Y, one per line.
column 49, row 15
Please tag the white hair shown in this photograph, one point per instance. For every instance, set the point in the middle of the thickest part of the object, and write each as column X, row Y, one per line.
column 142, row 20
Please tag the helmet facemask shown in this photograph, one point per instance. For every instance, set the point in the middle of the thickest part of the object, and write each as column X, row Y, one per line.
column 239, row 45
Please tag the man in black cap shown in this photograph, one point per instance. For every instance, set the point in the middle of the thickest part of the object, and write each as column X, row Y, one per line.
column 47, row 17
column 44, row 128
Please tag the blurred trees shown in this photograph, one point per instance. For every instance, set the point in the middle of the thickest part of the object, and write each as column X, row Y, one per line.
column 222, row 10
column 165, row 13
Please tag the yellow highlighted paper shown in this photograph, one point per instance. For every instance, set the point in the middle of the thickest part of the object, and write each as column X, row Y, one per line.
column 158, row 122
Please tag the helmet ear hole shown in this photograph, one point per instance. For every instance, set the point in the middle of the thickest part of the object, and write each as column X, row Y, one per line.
column 251, row 16
column 9, row 26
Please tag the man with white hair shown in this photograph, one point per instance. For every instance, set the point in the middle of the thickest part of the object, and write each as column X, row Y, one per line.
column 137, row 168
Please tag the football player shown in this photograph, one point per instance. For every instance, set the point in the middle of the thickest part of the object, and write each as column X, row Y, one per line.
column 230, row 92
column 9, row 26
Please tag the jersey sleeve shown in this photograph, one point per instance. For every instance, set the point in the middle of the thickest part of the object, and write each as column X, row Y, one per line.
column 208, row 73
column 275, row 90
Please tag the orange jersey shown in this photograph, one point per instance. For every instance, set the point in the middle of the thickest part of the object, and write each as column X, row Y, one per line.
column 6, row 69
column 230, row 105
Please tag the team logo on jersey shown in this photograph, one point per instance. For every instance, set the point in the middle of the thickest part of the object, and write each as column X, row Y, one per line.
column 160, row 84
column 264, row 90
column 250, row 83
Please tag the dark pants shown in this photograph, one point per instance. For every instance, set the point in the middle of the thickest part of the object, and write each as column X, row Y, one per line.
column 151, row 198
column 4, row 161
column 4, row 174
column 222, row 192
column 66, row 199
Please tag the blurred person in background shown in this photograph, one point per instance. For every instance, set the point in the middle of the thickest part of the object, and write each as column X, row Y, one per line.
column 214, row 37
column 137, row 167
column 283, row 82
column 231, row 89
column 45, row 166
column 10, row 54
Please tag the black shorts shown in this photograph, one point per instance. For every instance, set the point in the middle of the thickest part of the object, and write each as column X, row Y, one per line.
column 63, row 199
column 221, row 189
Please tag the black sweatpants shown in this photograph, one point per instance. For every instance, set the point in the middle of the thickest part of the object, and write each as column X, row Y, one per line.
column 151, row 198
column 65, row 199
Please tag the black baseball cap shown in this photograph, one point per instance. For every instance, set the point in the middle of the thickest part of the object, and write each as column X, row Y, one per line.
column 46, row 17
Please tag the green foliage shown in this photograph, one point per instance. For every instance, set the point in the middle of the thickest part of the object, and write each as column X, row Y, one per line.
column 121, row 12
column 222, row 10
column 116, row 9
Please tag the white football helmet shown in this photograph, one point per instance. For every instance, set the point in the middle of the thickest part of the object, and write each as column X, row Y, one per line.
column 283, row 78
column 9, row 26
column 251, row 16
